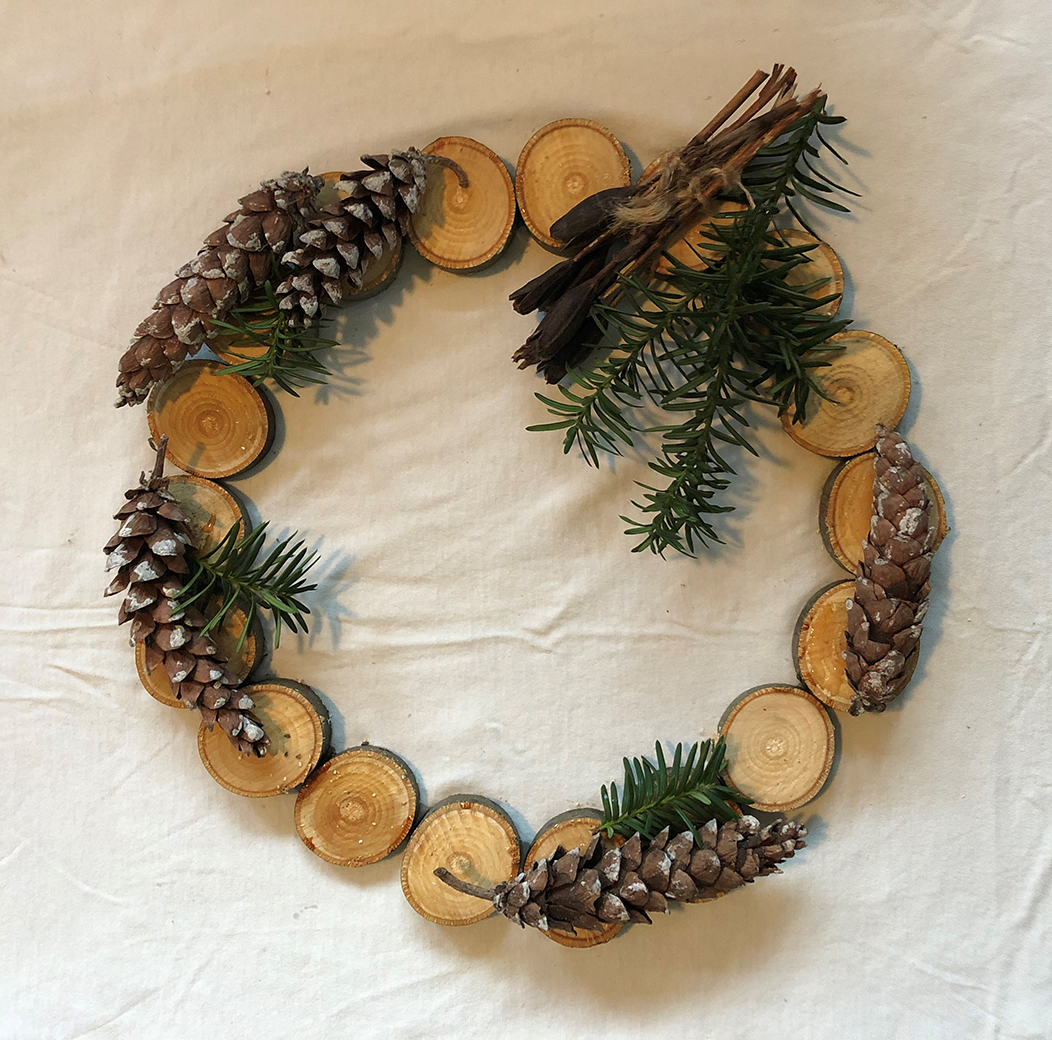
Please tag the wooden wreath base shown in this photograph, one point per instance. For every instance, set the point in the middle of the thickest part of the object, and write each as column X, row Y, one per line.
column 217, row 425
column 297, row 724
column 242, row 663
column 472, row 838
column 571, row 830
column 464, row 228
column 211, row 509
column 819, row 646
column 780, row 741
column 846, row 510
column 358, row 807
column 869, row 382
column 562, row 164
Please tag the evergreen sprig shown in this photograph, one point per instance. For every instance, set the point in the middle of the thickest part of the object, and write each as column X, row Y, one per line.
column 232, row 574
column 708, row 340
column 686, row 794
column 289, row 355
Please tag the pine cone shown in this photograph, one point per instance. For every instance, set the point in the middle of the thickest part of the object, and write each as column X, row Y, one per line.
column 607, row 883
column 891, row 587
column 234, row 260
column 149, row 553
column 338, row 241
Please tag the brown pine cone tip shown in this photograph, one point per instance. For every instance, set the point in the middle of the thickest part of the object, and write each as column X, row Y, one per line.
column 608, row 883
column 235, row 259
column 149, row 554
column 340, row 238
column 891, row 587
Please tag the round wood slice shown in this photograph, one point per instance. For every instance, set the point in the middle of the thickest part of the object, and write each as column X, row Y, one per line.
column 464, row 228
column 820, row 644
column 217, row 425
column 823, row 264
column 869, row 382
column 695, row 247
column 211, row 509
column 297, row 723
column 561, row 164
column 571, row 830
column 472, row 838
column 780, row 742
column 846, row 509
column 358, row 807
column 241, row 662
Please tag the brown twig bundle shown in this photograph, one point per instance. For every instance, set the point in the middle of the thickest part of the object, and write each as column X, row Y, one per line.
column 622, row 231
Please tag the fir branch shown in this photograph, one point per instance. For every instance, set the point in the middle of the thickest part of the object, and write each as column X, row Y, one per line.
column 686, row 794
column 289, row 352
column 233, row 574
column 714, row 336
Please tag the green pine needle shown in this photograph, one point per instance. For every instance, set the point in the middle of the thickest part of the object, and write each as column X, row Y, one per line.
column 233, row 574
column 684, row 795
column 289, row 357
column 703, row 343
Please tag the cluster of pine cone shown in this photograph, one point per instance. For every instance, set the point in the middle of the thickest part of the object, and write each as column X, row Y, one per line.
column 607, row 882
column 149, row 554
column 891, row 586
column 313, row 252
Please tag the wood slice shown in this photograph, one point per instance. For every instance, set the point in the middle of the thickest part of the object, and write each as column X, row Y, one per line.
column 820, row 642
column 217, row 425
column 822, row 264
column 297, row 723
column 561, row 164
column 242, row 663
column 695, row 247
column 472, row 838
column 869, row 382
column 464, row 228
column 846, row 509
column 358, row 807
column 780, row 742
column 210, row 508
column 571, row 830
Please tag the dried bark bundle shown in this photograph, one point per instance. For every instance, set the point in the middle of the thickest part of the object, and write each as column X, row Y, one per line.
column 235, row 259
column 606, row 882
column 338, row 240
column 891, row 586
column 149, row 554
column 623, row 231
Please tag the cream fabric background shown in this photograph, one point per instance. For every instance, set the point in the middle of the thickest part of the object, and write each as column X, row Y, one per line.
column 480, row 611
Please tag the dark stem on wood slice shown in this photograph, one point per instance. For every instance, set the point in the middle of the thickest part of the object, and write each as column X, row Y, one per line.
column 450, row 164
column 465, row 886
column 158, row 465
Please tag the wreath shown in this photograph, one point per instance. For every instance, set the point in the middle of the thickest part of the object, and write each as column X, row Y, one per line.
column 697, row 290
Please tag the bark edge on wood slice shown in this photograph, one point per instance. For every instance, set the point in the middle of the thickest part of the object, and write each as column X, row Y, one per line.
column 572, row 829
column 458, row 228
column 211, row 509
column 358, row 807
column 819, row 644
column 217, row 425
column 296, row 722
column 472, row 837
column 780, row 742
column 564, row 162
column 870, row 383
column 846, row 509
column 225, row 637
